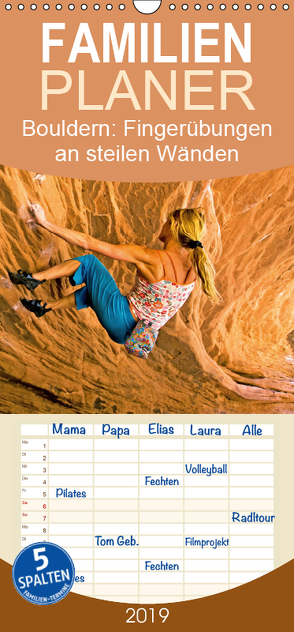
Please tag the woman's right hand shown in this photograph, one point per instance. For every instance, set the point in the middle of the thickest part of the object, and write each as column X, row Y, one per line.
column 38, row 214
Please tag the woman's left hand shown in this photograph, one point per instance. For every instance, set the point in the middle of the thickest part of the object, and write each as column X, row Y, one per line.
column 38, row 214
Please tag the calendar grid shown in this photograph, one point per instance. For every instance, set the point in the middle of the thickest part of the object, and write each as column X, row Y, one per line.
column 93, row 518
column 184, row 513
column 229, row 512
column 148, row 516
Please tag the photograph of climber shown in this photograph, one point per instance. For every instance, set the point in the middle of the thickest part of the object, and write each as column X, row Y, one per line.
column 188, row 284
column 164, row 280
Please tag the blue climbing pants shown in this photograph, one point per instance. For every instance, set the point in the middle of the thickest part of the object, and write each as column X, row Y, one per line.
column 103, row 296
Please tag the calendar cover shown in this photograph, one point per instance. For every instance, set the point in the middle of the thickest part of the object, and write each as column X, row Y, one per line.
column 146, row 198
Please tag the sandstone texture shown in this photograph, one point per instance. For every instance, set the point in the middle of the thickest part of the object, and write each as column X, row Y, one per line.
column 236, row 357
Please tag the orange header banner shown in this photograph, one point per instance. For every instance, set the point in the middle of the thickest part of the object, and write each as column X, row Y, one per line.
column 147, row 90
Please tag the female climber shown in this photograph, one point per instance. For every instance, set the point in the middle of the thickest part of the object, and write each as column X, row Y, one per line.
column 165, row 278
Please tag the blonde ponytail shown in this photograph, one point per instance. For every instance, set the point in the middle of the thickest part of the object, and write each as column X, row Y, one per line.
column 187, row 227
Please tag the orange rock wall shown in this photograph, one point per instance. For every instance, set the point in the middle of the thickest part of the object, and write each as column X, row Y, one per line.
column 236, row 357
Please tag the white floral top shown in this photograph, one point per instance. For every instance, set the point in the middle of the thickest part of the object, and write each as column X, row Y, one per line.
column 158, row 302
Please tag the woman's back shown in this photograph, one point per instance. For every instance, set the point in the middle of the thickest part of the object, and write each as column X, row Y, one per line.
column 159, row 300
column 177, row 267
column 172, row 264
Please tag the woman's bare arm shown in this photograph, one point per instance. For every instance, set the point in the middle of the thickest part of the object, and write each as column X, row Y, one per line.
column 132, row 252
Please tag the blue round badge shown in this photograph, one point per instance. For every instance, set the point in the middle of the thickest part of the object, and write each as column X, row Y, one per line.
column 43, row 573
